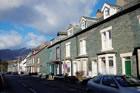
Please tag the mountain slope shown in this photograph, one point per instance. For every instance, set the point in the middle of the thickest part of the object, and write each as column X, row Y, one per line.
column 8, row 54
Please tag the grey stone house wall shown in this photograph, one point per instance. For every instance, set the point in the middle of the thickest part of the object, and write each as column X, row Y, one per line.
column 125, row 37
column 123, row 41
column 73, row 49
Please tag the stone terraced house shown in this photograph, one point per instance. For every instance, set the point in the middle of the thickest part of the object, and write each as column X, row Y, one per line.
column 107, row 44
column 36, row 60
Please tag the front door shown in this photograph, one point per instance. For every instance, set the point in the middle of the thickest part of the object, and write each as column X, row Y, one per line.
column 128, row 67
column 74, row 68
column 94, row 68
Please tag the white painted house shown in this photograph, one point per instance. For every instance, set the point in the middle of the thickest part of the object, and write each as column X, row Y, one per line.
column 22, row 66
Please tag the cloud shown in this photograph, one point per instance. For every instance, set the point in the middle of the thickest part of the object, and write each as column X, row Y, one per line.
column 10, row 39
column 56, row 16
column 13, row 39
column 48, row 16
column 8, row 4
column 32, row 40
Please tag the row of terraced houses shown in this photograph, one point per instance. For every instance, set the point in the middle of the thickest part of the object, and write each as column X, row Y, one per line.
column 106, row 44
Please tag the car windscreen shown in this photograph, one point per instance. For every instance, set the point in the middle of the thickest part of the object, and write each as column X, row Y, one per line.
column 127, row 81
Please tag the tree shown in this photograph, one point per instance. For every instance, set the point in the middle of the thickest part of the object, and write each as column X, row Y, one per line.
column 3, row 66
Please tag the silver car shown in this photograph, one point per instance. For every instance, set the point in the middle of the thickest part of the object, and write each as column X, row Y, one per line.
column 113, row 84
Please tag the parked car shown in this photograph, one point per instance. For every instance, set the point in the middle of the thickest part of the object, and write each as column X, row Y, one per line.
column 84, row 82
column 15, row 73
column 113, row 84
column 59, row 77
column 71, row 79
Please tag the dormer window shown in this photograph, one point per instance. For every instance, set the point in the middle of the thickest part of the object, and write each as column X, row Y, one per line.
column 83, row 24
column 107, row 11
column 70, row 32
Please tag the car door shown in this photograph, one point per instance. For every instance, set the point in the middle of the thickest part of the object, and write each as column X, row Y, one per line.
column 95, row 84
column 108, row 85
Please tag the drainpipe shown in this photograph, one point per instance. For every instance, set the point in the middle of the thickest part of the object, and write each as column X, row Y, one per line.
column 71, row 67
column 77, row 46
column 97, row 65
column 60, row 64
column 137, row 64
column 77, row 50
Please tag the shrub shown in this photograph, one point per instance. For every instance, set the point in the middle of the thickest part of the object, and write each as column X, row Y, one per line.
column 80, row 75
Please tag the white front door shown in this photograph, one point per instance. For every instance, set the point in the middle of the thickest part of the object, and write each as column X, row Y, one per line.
column 84, row 67
column 94, row 68
column 74, row 68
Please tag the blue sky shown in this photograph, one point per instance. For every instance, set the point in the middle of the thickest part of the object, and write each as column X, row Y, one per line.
column 28, row 23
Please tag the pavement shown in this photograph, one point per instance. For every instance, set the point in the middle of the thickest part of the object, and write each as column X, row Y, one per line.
column 2, row 84
column 28, row 84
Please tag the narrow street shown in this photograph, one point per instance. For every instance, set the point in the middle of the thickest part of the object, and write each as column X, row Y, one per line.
column 27, row 84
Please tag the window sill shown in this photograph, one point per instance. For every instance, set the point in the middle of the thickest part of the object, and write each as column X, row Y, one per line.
column 67, row 57
column 85, row 54
column 109, row 49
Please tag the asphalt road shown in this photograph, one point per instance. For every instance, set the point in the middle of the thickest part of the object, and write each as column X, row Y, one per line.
column 28, row 84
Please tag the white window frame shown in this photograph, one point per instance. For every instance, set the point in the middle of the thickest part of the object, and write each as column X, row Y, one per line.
column 67, row 45
column 82, row 47
column 38, row 60
column 106, row 41
column 107, row 63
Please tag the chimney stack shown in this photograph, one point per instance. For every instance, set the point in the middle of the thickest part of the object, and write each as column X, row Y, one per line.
column 99, row 14
column 124, row 2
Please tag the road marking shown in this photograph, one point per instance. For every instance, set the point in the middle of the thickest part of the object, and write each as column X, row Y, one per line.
column 24, row 85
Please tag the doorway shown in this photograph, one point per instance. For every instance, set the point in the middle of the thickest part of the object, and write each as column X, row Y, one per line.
column 128, row 66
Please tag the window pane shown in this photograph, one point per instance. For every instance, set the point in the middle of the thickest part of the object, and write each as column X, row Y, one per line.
column 110, row 61
column 82, row 47
column 127, row 81
column 68, row 50
column 104, row 33
column 57, row 52
column 108, row 81
column 103, row 59
column 107, row 10
column 110, row 36
column 97, row 79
